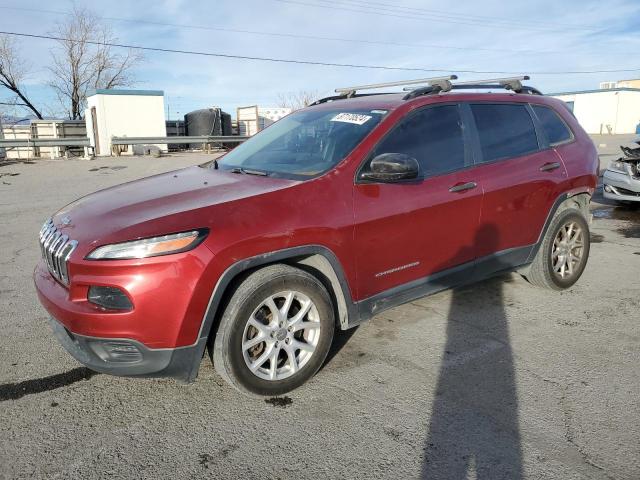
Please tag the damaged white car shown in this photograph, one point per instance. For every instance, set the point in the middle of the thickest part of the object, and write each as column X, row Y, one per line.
column 621, row 180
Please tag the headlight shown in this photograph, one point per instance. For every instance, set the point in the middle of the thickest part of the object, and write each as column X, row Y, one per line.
column 150, row 247
column 618, row 166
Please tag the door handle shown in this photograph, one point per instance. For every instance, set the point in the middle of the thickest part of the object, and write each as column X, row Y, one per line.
column 462, row 187
column 547, row 167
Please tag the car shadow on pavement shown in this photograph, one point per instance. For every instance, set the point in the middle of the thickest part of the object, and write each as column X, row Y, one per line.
column 473, row 430
column 14, row 391
column 340, row 339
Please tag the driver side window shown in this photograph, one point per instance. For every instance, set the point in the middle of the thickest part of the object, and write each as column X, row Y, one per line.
column 433, row 136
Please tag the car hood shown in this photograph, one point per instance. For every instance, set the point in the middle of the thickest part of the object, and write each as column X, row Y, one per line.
column 165, row 203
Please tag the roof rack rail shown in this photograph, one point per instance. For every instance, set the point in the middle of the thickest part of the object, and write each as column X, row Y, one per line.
column 440, row 83
column 443, row 82
column 511, row 83
column 435, row 85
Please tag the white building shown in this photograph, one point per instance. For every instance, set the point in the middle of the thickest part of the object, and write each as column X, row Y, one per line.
column 614, row 109
column 124, row 113
column 632, row 83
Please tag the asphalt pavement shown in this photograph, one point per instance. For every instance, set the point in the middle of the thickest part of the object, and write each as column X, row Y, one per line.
column 490, row 381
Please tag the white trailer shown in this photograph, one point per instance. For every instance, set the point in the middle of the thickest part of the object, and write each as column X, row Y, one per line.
column 124, row 113
column 252, row 119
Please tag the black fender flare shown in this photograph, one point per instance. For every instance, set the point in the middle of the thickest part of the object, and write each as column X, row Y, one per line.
column 562, row 198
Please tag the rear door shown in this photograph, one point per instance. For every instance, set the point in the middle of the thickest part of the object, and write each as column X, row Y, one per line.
column 409, row 230
column 521, row 177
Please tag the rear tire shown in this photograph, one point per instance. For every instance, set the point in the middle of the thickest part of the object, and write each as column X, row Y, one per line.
column 563, row 254
column 275, row 332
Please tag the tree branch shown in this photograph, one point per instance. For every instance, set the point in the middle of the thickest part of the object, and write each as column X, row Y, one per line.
column 12, row 72
column 78, row 65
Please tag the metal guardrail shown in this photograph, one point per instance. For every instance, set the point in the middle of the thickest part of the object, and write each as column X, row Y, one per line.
column 45, row 142
column 177, row 140
column 84, row 141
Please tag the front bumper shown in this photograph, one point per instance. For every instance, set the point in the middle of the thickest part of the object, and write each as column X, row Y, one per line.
column 620, row 186
column 113, row 356
column 169, row 295
column 149, row 340
column 126, row 357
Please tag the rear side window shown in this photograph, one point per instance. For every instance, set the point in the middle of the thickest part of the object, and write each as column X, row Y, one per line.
column 505, row 130
column 554, row 127
column 433, row 136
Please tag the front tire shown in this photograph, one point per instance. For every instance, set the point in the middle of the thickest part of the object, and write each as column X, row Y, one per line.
column 563, row 254
column 275, row 332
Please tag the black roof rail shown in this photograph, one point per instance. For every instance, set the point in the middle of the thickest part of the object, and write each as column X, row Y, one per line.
column 344, row 97
column 418, row 92
column 524, row 89
column 510, row 83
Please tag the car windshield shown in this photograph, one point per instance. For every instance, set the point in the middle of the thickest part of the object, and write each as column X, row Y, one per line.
column 303, row 144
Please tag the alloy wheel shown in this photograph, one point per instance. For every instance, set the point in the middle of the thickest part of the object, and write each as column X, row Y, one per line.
column 567, row 251
column 281, row 335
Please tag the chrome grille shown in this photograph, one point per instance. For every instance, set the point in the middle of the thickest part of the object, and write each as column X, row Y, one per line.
column 56, row 249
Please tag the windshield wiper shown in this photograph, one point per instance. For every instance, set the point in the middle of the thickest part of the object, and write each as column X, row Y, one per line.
column 249, row 171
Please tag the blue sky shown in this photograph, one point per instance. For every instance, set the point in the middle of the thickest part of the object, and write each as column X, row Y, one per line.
column 537, row 36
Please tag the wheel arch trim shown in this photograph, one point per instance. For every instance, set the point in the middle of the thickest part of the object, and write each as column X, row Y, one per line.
column 267, row 258
column 232, row 272
column 562, row 198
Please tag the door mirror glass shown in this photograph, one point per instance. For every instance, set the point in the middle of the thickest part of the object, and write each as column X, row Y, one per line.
column 392, row 167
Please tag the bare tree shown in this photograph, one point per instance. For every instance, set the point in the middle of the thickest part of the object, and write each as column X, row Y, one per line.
column 83, row 60
column 13, row 72
column 297, row 100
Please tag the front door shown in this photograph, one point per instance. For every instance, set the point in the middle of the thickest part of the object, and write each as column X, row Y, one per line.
column 409, row 230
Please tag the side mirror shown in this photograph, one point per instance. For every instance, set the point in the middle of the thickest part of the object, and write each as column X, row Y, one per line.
column 392, row 167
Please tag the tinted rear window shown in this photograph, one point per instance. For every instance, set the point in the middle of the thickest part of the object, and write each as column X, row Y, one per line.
column 505, row 130
column 433, row 136
column 553, row 126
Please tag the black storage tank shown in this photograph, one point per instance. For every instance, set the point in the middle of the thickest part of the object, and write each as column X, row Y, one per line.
column 226, row 124
column 207, row 122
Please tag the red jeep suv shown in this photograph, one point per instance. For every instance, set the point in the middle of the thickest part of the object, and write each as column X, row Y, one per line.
column 341, row 210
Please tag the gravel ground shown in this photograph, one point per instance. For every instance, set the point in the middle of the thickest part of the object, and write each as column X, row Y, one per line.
column 496, row 380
